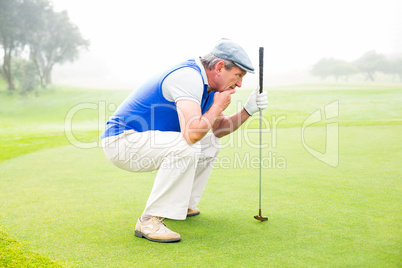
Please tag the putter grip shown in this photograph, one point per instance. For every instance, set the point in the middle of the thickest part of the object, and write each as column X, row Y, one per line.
column 261, row 78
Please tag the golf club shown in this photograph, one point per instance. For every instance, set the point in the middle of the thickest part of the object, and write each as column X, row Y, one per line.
column 261, row 57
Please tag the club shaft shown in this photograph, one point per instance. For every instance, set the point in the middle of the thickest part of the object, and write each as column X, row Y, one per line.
column 260, row 160
column 261, row 82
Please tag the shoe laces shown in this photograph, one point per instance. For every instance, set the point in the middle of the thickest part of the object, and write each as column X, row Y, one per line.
column 158, row 220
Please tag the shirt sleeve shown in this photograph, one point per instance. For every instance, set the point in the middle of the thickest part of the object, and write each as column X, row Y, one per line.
column 183, row 84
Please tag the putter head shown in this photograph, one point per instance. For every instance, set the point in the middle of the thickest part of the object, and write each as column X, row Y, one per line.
column 260, row 218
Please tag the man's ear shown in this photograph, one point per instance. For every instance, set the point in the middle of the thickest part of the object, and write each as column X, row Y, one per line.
column 219, row 66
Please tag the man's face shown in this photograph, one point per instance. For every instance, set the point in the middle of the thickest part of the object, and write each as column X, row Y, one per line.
column 230, row 79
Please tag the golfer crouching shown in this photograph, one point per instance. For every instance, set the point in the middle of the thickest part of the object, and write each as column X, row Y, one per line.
column 165, row 125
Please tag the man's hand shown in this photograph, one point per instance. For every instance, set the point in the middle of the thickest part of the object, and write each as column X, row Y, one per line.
column 256, row 101
column 223, row 99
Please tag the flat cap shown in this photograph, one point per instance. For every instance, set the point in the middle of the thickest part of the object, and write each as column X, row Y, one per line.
column 228, row 50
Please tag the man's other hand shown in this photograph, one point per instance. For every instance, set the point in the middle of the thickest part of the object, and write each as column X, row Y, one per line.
column 256, row 101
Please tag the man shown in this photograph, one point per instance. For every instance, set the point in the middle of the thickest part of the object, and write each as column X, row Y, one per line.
column 172, row 124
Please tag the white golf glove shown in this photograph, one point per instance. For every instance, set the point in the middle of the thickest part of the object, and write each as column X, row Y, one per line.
column 256, row 101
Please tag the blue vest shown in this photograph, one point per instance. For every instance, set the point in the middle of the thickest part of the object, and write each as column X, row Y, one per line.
column 146, row 108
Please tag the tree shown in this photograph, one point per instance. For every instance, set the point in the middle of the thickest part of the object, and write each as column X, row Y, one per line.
column 50, row 36
column 342, row 68
column 19, row 20
column 370, row 63
column 333, row 67
column 58, row 41
column 26, row 75
column 321, row 68
column 10, row 37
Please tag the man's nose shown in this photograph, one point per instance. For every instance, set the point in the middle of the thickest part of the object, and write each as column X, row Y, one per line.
column 238, row 84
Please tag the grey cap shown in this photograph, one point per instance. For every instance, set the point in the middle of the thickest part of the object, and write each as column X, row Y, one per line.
column 228, row 50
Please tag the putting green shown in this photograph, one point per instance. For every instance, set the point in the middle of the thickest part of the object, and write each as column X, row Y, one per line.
column 73, row 206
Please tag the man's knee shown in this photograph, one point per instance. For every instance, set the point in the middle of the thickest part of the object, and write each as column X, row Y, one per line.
column 185, row 149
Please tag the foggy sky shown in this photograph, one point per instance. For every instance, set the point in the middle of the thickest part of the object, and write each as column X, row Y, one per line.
column 130, row 40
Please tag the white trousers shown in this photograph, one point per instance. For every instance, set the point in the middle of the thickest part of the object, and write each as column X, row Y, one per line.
column 183, row 169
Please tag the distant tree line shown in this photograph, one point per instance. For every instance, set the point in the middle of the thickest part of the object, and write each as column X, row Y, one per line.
column 34, row 38
column 368, row 64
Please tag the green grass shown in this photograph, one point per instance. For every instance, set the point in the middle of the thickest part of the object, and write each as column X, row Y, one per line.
column 13, row 254
column 62, row 205
column 32, row 123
